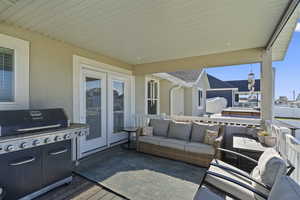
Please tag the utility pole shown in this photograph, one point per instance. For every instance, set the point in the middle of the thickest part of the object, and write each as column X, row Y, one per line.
column 294, row 95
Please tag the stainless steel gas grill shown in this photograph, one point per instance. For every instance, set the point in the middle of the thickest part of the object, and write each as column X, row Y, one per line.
column 37, row 151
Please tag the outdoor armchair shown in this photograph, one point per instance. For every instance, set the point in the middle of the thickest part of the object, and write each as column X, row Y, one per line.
column 269, row 166
column 284, row 189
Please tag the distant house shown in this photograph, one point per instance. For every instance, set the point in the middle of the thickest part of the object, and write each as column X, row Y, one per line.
column 236, row 92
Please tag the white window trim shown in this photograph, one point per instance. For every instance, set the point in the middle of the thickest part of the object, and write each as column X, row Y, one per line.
column 147, row 79
column 21, row 70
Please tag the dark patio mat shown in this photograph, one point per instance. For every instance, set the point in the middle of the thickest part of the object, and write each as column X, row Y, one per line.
column 139, row 176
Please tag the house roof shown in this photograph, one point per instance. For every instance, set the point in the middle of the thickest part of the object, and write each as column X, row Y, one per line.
column 189, row 76
column 215, row 83
column 242, row 85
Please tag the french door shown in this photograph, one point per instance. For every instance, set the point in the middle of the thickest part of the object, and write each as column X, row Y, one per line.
column 93, row 110
column 118, row 107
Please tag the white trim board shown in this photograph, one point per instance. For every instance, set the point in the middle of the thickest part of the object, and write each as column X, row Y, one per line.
column 21, row 72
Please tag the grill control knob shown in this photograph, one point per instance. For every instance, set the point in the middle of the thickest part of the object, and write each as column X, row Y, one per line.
column 58, row 138
column 10, row 148
column 24, row 145
column 36, row 142
column 81, row 133
column 47, row 140
column 67, row 136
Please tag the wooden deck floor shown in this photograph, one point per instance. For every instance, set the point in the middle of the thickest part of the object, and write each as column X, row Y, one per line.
column 80, row 189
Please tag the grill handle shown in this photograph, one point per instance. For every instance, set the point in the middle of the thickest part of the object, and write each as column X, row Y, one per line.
column 23, row 162
column 38, row 128
column 58, row 152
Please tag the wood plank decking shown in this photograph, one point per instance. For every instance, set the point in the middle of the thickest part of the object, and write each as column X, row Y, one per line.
column 80, row 189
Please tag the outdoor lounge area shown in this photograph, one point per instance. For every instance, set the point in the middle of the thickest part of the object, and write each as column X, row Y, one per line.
column 110, row 100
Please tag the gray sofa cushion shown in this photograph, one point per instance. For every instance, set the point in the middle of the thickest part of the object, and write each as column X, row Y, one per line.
column 180, row 130
column 151, row 139
column 160, row 127
column 173, row 143
column 285, row 189
column 270, row 166
column 196, row 147
column 199, row 131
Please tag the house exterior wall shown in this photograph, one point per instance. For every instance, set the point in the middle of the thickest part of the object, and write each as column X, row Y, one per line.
column 165, row 89
column 188, row 101
column 51, row 68
column 140, row 94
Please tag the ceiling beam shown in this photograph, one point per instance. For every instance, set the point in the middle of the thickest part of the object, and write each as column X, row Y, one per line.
column 245, row 56
column 291, row 8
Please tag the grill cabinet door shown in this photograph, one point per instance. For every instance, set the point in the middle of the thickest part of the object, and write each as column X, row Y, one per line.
column 57, row 161
column 21, row 172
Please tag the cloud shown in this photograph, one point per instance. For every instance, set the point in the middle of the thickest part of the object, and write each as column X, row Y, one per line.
column 298, row 27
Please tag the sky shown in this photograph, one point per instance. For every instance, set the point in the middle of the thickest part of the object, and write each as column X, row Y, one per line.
column 287, row 71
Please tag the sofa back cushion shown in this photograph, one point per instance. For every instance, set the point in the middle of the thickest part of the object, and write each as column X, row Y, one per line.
column 285, row 188
column 160, row 127
column 199, row 131
column 270, row 166
column 180, row 130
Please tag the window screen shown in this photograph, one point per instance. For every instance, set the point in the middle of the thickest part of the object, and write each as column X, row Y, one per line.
column 6, row 75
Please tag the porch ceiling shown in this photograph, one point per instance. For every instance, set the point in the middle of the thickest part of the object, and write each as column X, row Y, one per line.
column 143, row 31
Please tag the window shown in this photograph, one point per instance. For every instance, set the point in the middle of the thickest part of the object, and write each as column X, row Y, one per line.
column 7, row 75
column 14, row 73
column 118, row 106
column 199, row 98
column 152, row 104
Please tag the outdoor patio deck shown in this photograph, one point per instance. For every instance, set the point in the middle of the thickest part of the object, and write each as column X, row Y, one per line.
column 80, row 188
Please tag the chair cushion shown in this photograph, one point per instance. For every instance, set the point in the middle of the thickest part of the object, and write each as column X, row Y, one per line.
column 173, row 143
column 210, row 137
column 232, row 188
column 285, row 188
column 204, row 193
column 195, row 147
column 151, row 139
column 270, row 165
column 198, row 131
column 160, row 127
column 180, row 130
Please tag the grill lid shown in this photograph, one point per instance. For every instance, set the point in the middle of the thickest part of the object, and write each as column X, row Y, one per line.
column 14, row 122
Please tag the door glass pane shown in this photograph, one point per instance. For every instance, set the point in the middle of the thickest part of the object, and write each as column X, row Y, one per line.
column 118, row 106
column 152, row 107
column 93, row 107
column 6, row 75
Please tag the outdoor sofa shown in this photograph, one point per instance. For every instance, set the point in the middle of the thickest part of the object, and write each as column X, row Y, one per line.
column 182, row 141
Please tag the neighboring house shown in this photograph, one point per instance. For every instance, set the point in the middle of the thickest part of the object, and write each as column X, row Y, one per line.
column 236, row 92
column 186, row 92
column 173, row 93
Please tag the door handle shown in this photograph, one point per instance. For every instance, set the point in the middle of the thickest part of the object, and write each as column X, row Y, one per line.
column 23, row 162
column 58, row 152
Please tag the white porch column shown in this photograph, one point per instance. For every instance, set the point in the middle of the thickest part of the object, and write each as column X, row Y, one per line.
column 267, row 86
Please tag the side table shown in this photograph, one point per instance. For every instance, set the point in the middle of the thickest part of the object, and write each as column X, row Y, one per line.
column 129, row 131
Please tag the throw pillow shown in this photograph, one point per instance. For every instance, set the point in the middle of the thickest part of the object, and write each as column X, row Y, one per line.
column 199, row 131
column 147, row 131
column 210, row 136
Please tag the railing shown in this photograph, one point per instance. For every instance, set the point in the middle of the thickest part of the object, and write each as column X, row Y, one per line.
column 142, row 120
column 288, row 146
